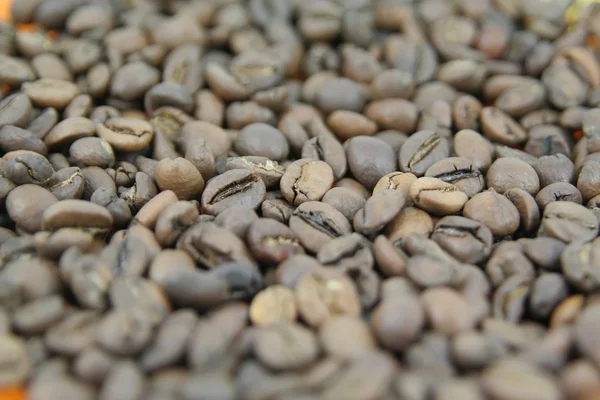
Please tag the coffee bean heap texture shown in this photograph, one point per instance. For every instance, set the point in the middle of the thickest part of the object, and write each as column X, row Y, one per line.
column 300, row 200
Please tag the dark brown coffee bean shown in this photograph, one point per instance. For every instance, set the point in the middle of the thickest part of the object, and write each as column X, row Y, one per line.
column 378, row 211
column 180, row 176
column 234, row 187
column 396, row 333
column 421, row 151
column 37, row 316
column 344, row 200
column 271, row 241
column 544, row 252
column 507, row 173
column 500, row 127
column 505, row 221
column 211, row 245
column 164, row 351
column 13, row 138
column 325, row 147
column 568, row 222
column 262, row 140
column 126, row 134
column 15, row 110
column 579, row 265
column 364, row 165
column 26, row 205
column 547, row 291
column 527, row 207
column 73, row 334
column 347, row 253
column 28, row 167
column 69, row 130
column 89, row 152
column 76, row 213
column 123, row 332
column 460, row 172
column 559, row 191
column 316, row 223
column 436, row 196
column 467, row 240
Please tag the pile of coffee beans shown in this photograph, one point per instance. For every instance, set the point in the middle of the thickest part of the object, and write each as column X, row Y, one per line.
column 300, row 199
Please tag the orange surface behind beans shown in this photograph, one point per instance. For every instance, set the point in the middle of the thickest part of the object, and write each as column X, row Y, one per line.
column 5, row 10
column 13, row 393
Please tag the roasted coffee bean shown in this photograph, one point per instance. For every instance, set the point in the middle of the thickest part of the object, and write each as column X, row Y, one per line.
column 504, row 221
column 243, row 199
column 126, row 134
column 467, row 240
column 233, row 188
column 180, row 176
column 507, row 173
column 559, row 191
column 378, row 211
column 568, row 222
column 578, row 262
column 26, row 205
column 271, row 241
column 436, row 196
column 306, row 180
column 460, row 172
column 421, row 151
column 369, row 159
column 24, row 166
column 344, row 200
column 322, row 293
column 316, row 223
column 262, row 140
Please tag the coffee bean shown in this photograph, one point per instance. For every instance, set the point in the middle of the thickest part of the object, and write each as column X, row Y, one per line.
column 17, row 366
column 344, row 200
column 306, row 180
column 300, row 344
column 505, row 221
column 500, row 127
column 467, row 240
column 28, row 167
column 262, row 140
column 436, row 196
column 68, row 131
column 76, row 213
column 369, row 159
column 316, row 223
column 92, row 152
column 164, row 351
column 396, row 331
column 378, row 211
column 447, row 311
column 507, row 173
column 421, row 151
column 324, row 293
column 568, row 222
column 13, row 138
column 578, row 264
column 460, row 172
column 51, row 92
column 26, row 205
column 234, row 187
column 180, row 176
column 125, row 134
column 272, row 306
